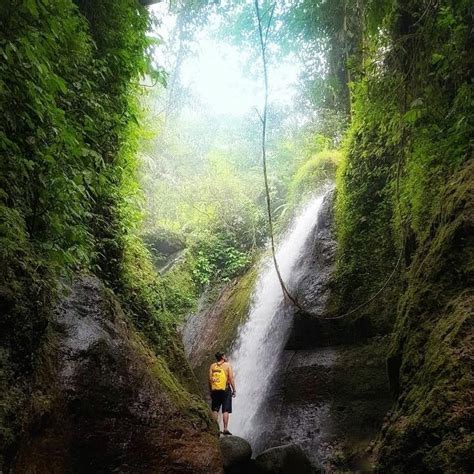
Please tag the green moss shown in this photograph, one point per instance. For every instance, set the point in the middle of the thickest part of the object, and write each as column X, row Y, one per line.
column 405, row 187
column 414, row 140
column 188, row 402
column 429, row 429
column 180, row 290
column 235, row 311
column 175, row 376
column 364, row 211
column 318, row 169
column 11, row 404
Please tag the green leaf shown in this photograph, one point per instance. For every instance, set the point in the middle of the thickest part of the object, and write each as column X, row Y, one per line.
column 436, row 58
column 32, row 7
column 412, row 116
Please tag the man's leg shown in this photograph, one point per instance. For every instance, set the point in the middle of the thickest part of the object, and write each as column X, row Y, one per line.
column 225, row 417
column 215, row 415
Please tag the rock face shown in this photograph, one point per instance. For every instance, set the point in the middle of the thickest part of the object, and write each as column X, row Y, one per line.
column 236, row 453
column 331, row 401
column 104, row 402
column 312, row 287
column 286, row 459
column 214, row 326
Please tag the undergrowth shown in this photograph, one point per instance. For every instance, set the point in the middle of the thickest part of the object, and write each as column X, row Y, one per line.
column 69, row 193
column 403, row 186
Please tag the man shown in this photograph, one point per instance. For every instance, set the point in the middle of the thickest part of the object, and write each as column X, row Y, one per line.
column 222, row 388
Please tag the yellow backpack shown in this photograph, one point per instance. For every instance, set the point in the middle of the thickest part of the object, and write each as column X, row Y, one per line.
column 218, row 377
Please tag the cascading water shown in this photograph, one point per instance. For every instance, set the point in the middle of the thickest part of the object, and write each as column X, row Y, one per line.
column 262, row 338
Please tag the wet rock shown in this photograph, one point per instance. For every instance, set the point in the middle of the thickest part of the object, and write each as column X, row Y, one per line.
column 236, row 453
column 214, row 325
column 102, row 402
column 316, row 267
column 286, row 459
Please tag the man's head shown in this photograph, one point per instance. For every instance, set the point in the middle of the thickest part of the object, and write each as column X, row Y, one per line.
column 220, row 356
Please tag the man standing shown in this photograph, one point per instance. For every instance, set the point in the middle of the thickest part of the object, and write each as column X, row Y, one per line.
column 222, row 387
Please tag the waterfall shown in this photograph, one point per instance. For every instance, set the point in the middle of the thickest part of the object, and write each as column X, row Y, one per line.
column 262, row 338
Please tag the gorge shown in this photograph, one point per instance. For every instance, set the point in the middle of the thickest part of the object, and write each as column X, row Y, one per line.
column 134, row 233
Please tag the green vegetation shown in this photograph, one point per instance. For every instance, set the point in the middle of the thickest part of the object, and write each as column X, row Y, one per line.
column 400, row 127
column 403, row 186
column 312, row 174
column 161, row 210
column 69, row 78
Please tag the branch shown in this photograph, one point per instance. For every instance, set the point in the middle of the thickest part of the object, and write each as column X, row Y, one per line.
column 259, row 115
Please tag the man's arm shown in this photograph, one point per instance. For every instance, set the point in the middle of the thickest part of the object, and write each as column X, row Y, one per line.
column 232, row 380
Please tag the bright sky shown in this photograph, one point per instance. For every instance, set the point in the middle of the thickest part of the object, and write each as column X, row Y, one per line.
column 218, row 73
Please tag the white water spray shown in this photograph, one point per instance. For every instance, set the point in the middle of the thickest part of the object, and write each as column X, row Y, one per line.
column 261, row 339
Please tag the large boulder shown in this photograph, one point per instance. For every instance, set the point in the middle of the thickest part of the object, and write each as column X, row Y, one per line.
column 286, row 459
column 104, row 402
column 236, row 453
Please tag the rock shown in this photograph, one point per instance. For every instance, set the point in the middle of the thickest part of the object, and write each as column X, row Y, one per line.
column 236, row 452
column 286, row 459
column 101, row 402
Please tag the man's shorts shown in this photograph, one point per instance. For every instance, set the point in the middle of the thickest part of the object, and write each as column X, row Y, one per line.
column 222, row 398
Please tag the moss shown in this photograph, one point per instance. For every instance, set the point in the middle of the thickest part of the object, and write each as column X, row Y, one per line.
column 168, row 364
column 184, row 400
column 11, row 404
column 318, row 169
column 405, row 187
column 60, row 180
column 235, row 312
column 180, row 291
column 429, row 428
column 364, row 211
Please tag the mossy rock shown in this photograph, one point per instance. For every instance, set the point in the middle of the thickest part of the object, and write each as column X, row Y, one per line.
column 214, row 329
column 431, row 354
column 104, row 401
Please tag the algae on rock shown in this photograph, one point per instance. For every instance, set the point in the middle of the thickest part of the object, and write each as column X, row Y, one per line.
column 430, row 426
column 214, row 328
column 405, row 189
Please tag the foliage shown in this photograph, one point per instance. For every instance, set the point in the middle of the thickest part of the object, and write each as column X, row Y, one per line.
column 214, row 259
column 403, row 190
column 206, row 199
column 319, row 169
column 400, row 127
column 69, row 79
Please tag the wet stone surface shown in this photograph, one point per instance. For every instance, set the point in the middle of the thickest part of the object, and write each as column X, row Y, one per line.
column 330, row 409
column 100, row 402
